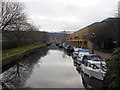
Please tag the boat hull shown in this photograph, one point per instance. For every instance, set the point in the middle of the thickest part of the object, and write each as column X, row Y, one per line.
column 93, row 73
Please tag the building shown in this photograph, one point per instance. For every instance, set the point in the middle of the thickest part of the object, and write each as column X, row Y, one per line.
column 81, row 38
column 100, row 35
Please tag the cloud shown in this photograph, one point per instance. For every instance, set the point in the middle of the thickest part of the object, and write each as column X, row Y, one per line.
column 68, row 14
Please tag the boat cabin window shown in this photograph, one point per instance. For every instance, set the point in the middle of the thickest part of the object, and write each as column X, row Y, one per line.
column 85, row 58
column 81, row 57
column 89, row 64
column 95, row 57
column 85, row 63
column 94, row 66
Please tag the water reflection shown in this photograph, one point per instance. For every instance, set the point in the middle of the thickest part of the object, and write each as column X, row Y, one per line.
column 16, row 76
column 56, row 71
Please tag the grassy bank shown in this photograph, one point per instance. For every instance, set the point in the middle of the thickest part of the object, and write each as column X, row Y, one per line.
column 19, row 53
column 14, row 51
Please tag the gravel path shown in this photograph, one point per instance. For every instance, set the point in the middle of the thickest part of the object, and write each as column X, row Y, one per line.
column 104, row 55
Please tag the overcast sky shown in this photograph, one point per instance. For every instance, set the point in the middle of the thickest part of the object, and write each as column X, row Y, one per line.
column 69, row 15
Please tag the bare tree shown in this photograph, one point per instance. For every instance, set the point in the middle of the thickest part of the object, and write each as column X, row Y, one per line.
column 16, row 31
column 13, row 19
column 12, row 15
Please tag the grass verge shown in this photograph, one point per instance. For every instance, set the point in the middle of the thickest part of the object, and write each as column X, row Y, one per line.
column 14, row 51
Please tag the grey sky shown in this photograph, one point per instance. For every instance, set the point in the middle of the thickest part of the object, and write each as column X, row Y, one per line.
column 69, row 15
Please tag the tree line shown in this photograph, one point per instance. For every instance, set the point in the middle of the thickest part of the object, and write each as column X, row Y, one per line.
column 16, row 30
column 106, row 34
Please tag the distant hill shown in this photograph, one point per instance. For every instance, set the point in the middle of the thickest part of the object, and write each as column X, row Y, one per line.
column 67, row 32
column 58, row 35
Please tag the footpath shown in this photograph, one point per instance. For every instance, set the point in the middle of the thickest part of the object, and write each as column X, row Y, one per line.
column 103, row 54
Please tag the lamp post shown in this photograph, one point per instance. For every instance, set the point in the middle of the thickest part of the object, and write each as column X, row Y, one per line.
column 93, row 37
column 115, row 43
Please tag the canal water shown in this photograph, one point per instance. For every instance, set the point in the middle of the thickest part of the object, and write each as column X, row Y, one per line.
column 48, row 68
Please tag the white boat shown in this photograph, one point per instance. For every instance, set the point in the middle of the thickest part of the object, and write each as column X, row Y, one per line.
column 76, row 52
column 95, row 69
column 81, row 53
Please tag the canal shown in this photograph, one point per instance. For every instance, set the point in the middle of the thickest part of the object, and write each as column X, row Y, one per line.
column 48, row 68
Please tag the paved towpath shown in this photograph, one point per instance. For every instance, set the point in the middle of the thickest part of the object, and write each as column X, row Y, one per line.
column 104, row 55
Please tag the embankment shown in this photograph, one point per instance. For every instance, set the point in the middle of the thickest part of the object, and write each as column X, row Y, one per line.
column 6, row 62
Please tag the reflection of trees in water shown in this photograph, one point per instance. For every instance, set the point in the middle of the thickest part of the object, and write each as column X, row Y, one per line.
column 16, row 76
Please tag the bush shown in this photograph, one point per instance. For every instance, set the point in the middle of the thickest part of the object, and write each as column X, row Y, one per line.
column 112, row 79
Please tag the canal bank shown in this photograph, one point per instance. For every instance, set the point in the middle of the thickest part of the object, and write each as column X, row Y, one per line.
column 7, row 61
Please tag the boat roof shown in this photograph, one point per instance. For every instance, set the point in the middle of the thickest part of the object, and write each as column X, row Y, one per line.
column 68, row 46
column 96, row 62
column 84, row 50
column 92, row 54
